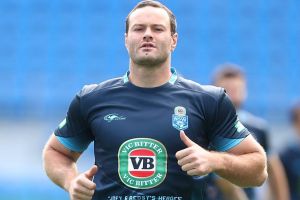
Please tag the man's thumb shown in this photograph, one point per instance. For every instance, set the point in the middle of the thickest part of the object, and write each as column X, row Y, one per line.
column 185, row 139
column 91, row 172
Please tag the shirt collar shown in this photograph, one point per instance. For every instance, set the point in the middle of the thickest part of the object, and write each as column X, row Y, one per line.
column 172, row 79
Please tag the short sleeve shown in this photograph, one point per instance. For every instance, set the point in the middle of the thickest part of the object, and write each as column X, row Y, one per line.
column 73, row 132
column 225, row 131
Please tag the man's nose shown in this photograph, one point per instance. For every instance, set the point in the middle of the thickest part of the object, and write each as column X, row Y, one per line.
column 148, row 34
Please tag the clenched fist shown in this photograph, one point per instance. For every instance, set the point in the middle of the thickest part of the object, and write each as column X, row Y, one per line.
column 195, row 160
column 82, row 187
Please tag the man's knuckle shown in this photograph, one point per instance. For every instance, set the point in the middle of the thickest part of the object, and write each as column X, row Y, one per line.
column 179, row 162
column 189, row 172
column 76, row 189
column 203, row 169
column 194, row 157
column 92, row 192
column 75, row 196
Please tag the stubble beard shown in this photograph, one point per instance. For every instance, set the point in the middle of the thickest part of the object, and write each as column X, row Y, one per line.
column 149, row 60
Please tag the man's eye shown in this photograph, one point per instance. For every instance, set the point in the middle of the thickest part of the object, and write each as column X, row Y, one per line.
column 138, row 29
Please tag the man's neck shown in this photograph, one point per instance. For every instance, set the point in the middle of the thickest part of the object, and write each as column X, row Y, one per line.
column 149, row 76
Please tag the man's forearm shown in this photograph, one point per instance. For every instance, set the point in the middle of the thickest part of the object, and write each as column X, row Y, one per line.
column 59, row 168
column 245, row 170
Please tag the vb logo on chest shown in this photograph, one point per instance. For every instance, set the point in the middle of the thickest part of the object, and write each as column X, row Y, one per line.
column 142, row 163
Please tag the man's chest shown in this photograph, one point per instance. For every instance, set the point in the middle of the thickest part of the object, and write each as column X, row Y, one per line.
column 114, row 123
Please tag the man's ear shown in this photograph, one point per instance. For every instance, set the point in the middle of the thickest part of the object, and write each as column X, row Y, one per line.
column 174, row 41
column 125, row 40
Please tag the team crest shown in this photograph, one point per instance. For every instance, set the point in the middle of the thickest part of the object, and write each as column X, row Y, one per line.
column 180, row 120
column 142, row 163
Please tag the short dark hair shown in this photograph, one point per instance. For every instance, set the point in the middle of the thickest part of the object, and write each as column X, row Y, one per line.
column 227, row 70
column 155, row 4
column 294, row 112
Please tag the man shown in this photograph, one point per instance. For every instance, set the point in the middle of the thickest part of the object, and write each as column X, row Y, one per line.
column 232, row 78
column 290, row 156
column 151, row 127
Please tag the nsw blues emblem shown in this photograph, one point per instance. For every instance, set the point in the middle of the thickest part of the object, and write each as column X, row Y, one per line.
column 180, row 120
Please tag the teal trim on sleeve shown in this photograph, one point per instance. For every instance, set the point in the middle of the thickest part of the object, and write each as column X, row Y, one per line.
column 74, row 143
column 224, row 144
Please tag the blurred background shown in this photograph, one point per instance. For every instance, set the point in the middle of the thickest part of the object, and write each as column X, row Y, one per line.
column 50, row 49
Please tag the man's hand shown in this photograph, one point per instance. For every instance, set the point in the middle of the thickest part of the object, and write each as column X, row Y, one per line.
column 82, row 187
column 195, row 160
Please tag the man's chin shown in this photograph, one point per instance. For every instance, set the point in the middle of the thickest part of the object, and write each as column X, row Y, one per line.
column 147, row 60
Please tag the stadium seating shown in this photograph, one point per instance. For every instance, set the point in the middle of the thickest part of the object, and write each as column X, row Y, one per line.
column 50, row 49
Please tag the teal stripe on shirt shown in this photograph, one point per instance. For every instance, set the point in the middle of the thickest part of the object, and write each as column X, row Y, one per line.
column 76, row 144
column 224, row 144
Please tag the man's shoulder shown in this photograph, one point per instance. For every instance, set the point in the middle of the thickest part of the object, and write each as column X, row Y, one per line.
column 111, row 83
column 195, row 87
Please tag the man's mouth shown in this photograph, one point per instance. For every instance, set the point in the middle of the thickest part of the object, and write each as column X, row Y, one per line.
column 147, row 46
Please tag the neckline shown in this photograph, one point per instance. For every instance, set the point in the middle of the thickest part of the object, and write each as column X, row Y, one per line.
column 172, row 79
column 171, row 82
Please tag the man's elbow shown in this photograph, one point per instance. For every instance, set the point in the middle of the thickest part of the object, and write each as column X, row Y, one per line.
column 262, row 176
column 261, row 168
column 259, row 174
column 256, row 180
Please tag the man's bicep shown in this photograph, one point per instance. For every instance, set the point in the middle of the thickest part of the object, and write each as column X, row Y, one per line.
column 55, row 145
column 247, row 145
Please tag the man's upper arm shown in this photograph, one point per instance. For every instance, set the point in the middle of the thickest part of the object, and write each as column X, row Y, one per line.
column 54, row 145
column 248, row 145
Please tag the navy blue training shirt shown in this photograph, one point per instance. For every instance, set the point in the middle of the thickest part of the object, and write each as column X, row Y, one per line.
column 136, row 134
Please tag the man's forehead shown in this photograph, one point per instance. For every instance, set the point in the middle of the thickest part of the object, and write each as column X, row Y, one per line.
column 149, row 15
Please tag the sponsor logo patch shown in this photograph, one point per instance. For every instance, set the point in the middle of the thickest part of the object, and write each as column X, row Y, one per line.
column 113, row 117
column 142, row 163
column 180, row 120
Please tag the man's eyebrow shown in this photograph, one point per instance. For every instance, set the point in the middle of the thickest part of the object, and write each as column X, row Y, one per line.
column 138, row 25
column 160, row 25
column 145, row 25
